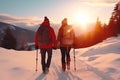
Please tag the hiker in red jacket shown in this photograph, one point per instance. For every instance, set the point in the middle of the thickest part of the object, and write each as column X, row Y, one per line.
column 45, row 39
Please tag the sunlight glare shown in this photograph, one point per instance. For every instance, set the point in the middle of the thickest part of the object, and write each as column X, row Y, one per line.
column 82, row 18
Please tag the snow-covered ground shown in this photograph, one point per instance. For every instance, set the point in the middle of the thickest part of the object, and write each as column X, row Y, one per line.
column 99, row 62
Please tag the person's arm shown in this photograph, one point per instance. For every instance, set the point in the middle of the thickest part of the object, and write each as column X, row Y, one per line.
column 53, row 36
column 59, row 37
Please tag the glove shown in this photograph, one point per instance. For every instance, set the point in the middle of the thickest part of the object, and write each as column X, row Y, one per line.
column 36, row 47
column 54, row 47
column 58, row 45
column 73, row 46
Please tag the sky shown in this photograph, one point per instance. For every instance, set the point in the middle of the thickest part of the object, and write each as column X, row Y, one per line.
column 57, row 10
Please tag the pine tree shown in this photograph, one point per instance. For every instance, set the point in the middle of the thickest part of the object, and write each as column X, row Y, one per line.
column 114, row 23
column 98, row 26
column 9, row 40
column 105, row 31
column 98, row 31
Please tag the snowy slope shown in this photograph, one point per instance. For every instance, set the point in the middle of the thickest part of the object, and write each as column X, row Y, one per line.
column 99, row 62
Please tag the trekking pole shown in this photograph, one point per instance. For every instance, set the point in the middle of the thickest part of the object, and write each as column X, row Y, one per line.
column 36, row 60
column 74, row 59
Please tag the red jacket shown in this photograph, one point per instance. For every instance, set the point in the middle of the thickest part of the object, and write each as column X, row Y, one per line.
column 52, row 34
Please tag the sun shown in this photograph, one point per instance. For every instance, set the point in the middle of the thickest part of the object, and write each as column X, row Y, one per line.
column 82, row 21
column 82, row 18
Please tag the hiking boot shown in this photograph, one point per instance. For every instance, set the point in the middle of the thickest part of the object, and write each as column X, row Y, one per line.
column 63, row 66
column 43, row 69
column 46, row 70
column 63, row 69
column 68, row 66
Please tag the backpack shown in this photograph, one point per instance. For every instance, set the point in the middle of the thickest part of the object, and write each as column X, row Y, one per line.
column 44, row 37
column 67, row 36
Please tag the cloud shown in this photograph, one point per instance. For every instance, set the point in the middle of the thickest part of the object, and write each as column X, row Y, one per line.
column 28, row 22
column 4, row 17
column 100, row 2
column 20, row 21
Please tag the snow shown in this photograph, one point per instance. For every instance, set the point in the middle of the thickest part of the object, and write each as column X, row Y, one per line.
column 98, row 62
column 12, row 27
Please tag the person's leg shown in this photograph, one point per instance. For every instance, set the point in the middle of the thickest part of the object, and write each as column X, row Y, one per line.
column 49, row 52
column 68, row 57
column 43, row 57
column 62, row 49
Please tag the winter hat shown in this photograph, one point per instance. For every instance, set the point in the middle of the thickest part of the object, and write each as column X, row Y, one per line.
column 64, row 21
column 46, row 19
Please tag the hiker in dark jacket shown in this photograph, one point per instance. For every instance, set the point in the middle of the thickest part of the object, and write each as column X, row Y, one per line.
column 45, row 48
column 65, row 40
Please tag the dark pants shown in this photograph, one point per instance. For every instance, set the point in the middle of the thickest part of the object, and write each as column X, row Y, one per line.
column 65, row 52
column 43, row 58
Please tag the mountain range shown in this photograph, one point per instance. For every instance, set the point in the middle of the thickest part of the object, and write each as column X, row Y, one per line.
column 22, row 36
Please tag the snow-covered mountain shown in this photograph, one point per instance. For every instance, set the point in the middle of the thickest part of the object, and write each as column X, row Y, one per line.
column 98, row 62
column 23, row 36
